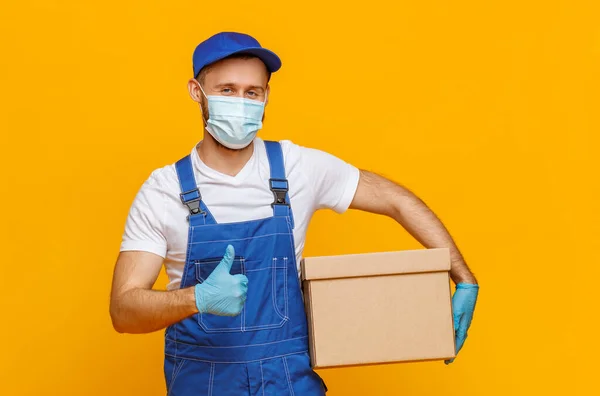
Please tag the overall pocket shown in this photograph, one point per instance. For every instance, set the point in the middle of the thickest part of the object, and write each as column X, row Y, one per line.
column 266, row 305
column 216, row 323
column 267, row 302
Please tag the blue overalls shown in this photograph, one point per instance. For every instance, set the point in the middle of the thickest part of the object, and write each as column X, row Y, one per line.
column 264, row 350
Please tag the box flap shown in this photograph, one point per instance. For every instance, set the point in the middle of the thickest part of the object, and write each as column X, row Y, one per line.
column 370, row 264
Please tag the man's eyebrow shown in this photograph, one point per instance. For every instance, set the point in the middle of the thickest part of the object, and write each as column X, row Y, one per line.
column 231, row 84
column 257, row 87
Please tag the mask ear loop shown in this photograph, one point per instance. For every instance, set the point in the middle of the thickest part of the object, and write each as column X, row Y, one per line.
column 203, row 93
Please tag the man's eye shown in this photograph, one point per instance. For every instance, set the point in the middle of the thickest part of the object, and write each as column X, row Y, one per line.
column 252, row 93
column 226, row 90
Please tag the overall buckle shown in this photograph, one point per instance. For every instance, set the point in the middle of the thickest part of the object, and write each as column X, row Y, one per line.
column 280, row 188
column 192, row 200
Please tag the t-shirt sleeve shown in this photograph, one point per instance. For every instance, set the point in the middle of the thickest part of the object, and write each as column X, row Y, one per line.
column 333, row 180
column 144, row 225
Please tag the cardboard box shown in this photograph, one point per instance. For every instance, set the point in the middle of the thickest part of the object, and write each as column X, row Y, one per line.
column 378, row 307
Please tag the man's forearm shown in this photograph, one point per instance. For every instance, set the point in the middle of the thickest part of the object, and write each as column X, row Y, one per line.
column 422, row 223
column 143, row 311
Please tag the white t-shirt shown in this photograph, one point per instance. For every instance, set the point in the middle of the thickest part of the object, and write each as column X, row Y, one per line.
column 157, row 218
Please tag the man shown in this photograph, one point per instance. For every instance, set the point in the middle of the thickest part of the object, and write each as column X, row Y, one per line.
column 229, row 221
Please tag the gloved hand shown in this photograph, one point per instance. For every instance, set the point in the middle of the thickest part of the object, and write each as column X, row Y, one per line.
column 463, row 305
column 222, row 293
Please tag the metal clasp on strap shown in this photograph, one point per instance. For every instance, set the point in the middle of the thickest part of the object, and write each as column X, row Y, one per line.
column 279, row 187
column 192, row 200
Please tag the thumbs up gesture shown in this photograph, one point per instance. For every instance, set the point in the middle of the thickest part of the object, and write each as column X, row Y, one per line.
column 222, row 293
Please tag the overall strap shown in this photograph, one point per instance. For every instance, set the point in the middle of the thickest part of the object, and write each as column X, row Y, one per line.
column 278, row 183
column 190, row 194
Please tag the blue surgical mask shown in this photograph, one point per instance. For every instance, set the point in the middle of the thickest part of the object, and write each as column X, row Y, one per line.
column 233, row 121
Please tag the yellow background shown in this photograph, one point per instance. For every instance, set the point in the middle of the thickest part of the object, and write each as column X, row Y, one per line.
column 487, row 110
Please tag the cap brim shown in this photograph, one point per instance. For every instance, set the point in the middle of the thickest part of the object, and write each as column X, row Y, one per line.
column 270, row 59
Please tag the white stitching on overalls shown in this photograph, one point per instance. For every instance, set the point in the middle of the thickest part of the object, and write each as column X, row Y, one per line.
column 274, row 290
column 240, row 361
column 285, row 290
column 287, row 373
column 211, row 379
column 187, row 255
column 259, row 269
column 240, row 346
column 243, row 320
column 262, row 378
column 293, row 244
column 175, row 373
column 240, row 239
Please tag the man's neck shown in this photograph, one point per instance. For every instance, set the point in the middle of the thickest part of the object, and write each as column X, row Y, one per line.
column 223, row 159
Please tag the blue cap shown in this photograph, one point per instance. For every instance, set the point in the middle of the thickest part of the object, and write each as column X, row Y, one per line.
column 223, row 44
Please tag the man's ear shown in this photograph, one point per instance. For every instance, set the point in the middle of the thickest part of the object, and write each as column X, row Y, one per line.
column 194, row 89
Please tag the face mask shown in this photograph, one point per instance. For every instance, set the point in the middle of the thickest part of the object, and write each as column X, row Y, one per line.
column 233, row 121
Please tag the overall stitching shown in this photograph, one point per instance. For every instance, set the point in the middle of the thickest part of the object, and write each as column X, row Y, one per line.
column 245, row 328
column 188, row 258
column 239, row 239
column 211, row 379
column 242, row 260
column 198, row 263
column 242, row 361
column 175, row 365
column 290, row 235
column 235, row 222
column 265, row 327
column 183, row 276
column 274, row 290
column 287, row 373
column 285, row 289
column 262, row 378
column 243, row 264
column 239, row 346
column 243, row 319
column 293, row 243
column 265, row 269
column 219, row 329
column 175, row 373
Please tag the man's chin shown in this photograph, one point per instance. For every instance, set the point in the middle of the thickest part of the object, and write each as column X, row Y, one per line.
column 222, row 146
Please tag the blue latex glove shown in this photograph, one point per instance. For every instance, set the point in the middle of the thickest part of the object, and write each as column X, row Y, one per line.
column 222, row 293
column 463, row 306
